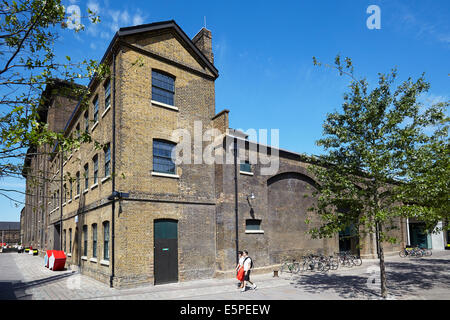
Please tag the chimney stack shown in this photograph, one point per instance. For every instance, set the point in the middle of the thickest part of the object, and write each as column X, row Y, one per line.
column 203, row 41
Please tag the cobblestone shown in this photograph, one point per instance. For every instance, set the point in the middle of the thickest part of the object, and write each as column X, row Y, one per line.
column 25, row 277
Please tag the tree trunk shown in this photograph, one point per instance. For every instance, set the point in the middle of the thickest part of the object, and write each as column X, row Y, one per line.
column 382, row 267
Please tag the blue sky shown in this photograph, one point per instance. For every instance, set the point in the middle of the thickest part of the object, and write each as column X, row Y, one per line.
column 263, row 51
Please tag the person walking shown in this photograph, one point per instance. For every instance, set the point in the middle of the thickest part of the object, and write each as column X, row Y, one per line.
column 240, row 269
column 248, row 265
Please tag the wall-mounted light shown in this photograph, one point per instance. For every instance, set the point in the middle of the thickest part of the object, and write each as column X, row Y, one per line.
column 251, row 196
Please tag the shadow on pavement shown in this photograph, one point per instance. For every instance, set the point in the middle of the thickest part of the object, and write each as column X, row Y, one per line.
column 36, row 283
column 403, row 278
column 8, row 291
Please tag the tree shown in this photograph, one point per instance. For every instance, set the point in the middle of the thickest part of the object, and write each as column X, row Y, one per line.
column 367, row 171
column 427, row 188
column 28, row 32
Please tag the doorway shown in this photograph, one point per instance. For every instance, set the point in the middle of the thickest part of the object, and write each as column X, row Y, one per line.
column 57, row 237
column 165, row 251
column 419, row 237
column 349, row 241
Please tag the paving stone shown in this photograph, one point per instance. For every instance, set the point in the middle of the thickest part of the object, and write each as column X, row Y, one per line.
column 425, row 278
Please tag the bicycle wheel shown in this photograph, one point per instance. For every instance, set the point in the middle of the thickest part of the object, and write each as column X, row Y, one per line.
column 357, row 261
column 296, row 267
column 326, row 266
column 348, row 263
column 417, row 253
column 284, row 268
column 319, row 266
column 402, row 253
column 334, row 264
column 303, row 267
column 308, row 266
column 429, row 252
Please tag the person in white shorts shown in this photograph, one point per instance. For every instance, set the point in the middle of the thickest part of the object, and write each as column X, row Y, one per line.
column 247, row 268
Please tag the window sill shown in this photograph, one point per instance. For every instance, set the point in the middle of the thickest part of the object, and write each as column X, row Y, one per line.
column 246, row 173
column 84, row 258
column 85, row 191
column 93, row 260
column 77, row 196
column 104, row 262
column 160, row 104
column 106, row 110
column 95, row 185
column 69, row 201
column 165, row 175
column 94, row 126
column 106, row 178
column 69, row 254
column 64, row 204
column 254, row 231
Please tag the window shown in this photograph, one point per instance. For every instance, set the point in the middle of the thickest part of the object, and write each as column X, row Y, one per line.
column 245, row 167
column 95, row 160
column 86, row 121
column 107, row 151
column 163, row 88
column 57, row 198
column 252, row 224
column 85, row 240
column 71, row 187
column 95, row 102
column 94, row 240
column 78, row 182
column 107, row 87
column 106, row 240
column 86, row 176
column 64, row 240
column 70, row 240
column 78, row 131
column 65, row 193
column 162, row 157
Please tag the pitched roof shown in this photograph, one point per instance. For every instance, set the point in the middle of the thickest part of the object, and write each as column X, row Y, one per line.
column 127, row 31
column 170, row 24
column 8, row 225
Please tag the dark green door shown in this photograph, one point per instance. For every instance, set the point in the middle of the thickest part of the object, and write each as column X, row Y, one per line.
column 418, row 235
column 349, row 241
column 165, row 251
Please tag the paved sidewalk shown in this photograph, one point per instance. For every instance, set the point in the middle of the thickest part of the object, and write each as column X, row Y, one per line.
column 24, row 277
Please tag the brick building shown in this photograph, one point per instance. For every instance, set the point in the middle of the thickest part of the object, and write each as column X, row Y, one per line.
column 129, row 214
column 9, row 232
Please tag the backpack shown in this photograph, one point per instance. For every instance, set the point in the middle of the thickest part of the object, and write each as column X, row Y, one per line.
column 251, row 262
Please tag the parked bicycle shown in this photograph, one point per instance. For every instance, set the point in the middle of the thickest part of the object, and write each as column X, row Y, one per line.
column 319, row 262
column 426, row 252
column 290, row 266
column 349, row 260
column 414, row 252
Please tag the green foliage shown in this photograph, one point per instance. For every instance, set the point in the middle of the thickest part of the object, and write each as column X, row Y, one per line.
column 382, row 162
column 29, row 30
